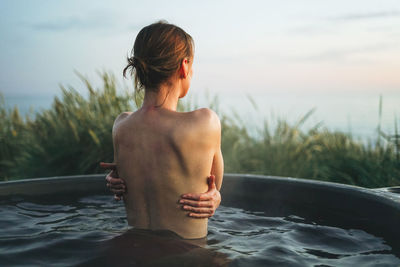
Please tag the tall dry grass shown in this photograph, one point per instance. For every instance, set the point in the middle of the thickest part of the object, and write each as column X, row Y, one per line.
column 74, row 135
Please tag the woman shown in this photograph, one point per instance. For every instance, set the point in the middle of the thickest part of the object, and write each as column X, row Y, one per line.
column 162, row 153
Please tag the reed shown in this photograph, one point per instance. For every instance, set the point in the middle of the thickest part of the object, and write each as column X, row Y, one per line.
column 74, row 135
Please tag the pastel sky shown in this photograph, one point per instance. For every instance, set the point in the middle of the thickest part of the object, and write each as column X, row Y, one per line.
column 241, row 46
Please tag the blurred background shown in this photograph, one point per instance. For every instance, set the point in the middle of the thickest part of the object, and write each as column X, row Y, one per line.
column 290, row 56
column 256, row 61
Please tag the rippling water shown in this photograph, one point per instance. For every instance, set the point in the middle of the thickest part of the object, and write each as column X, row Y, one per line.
column 93, row 231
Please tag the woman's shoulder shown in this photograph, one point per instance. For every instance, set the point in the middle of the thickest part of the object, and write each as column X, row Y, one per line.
column 122, row 116
column 206, row 117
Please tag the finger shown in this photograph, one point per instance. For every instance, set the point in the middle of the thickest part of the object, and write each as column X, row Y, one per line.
column 199, row 215
column 117, row 191
column 211, row 182
column 113, row 174
column 198, row 210
column 204, row 196
column 194, row 203
column 114, row 181
column 117, row 186
column 108, row 166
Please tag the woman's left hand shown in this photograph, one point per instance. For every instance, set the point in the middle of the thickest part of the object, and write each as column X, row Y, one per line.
column 199, row 205
column 114, row 182
column 202, row 205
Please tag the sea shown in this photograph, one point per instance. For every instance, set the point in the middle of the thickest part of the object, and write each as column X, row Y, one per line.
column 358, row 114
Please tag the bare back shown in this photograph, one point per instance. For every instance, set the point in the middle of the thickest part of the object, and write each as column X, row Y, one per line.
column 163, row 154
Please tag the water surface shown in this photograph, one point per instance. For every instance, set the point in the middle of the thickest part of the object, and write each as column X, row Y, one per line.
column 93, row 230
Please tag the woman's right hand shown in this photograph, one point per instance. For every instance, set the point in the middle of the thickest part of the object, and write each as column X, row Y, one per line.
column 114, row 183
column 202, row 205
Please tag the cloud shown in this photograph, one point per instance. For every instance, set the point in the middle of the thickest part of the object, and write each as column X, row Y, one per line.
column 313, row 29
column 330, row 25
column 374, row 15
column 72, row 23
column 344, row 54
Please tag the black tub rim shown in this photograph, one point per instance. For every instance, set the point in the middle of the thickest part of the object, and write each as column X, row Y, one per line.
column 93, row 182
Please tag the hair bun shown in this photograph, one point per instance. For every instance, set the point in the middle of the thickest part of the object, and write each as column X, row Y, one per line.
column 157, row 54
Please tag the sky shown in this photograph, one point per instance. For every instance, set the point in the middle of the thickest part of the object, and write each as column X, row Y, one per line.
column 289, row 56
column 241, row 46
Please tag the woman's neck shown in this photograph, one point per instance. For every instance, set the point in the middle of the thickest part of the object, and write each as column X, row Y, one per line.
column 166, row 97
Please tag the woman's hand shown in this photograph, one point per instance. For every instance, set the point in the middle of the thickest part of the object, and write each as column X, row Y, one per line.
column 114, row 183
column 202, row 205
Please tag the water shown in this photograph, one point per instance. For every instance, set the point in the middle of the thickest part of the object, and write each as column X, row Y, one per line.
column 357, row 114
column 93, row 231
column 353, row 113
column 29, row 104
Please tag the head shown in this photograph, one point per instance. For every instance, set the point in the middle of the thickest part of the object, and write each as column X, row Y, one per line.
column 161, row 52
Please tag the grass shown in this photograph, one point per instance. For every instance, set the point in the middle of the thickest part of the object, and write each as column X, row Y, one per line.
column 74, row 135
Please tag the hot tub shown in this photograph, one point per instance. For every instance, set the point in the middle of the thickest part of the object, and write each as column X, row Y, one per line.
column 262, row 221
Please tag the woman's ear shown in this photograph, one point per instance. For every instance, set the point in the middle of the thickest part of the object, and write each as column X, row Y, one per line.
column 184, row 69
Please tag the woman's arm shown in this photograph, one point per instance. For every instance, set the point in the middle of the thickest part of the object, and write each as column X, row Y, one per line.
column 201, row 205
column 217, row 168
column 116, row 185
column 204, row 205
